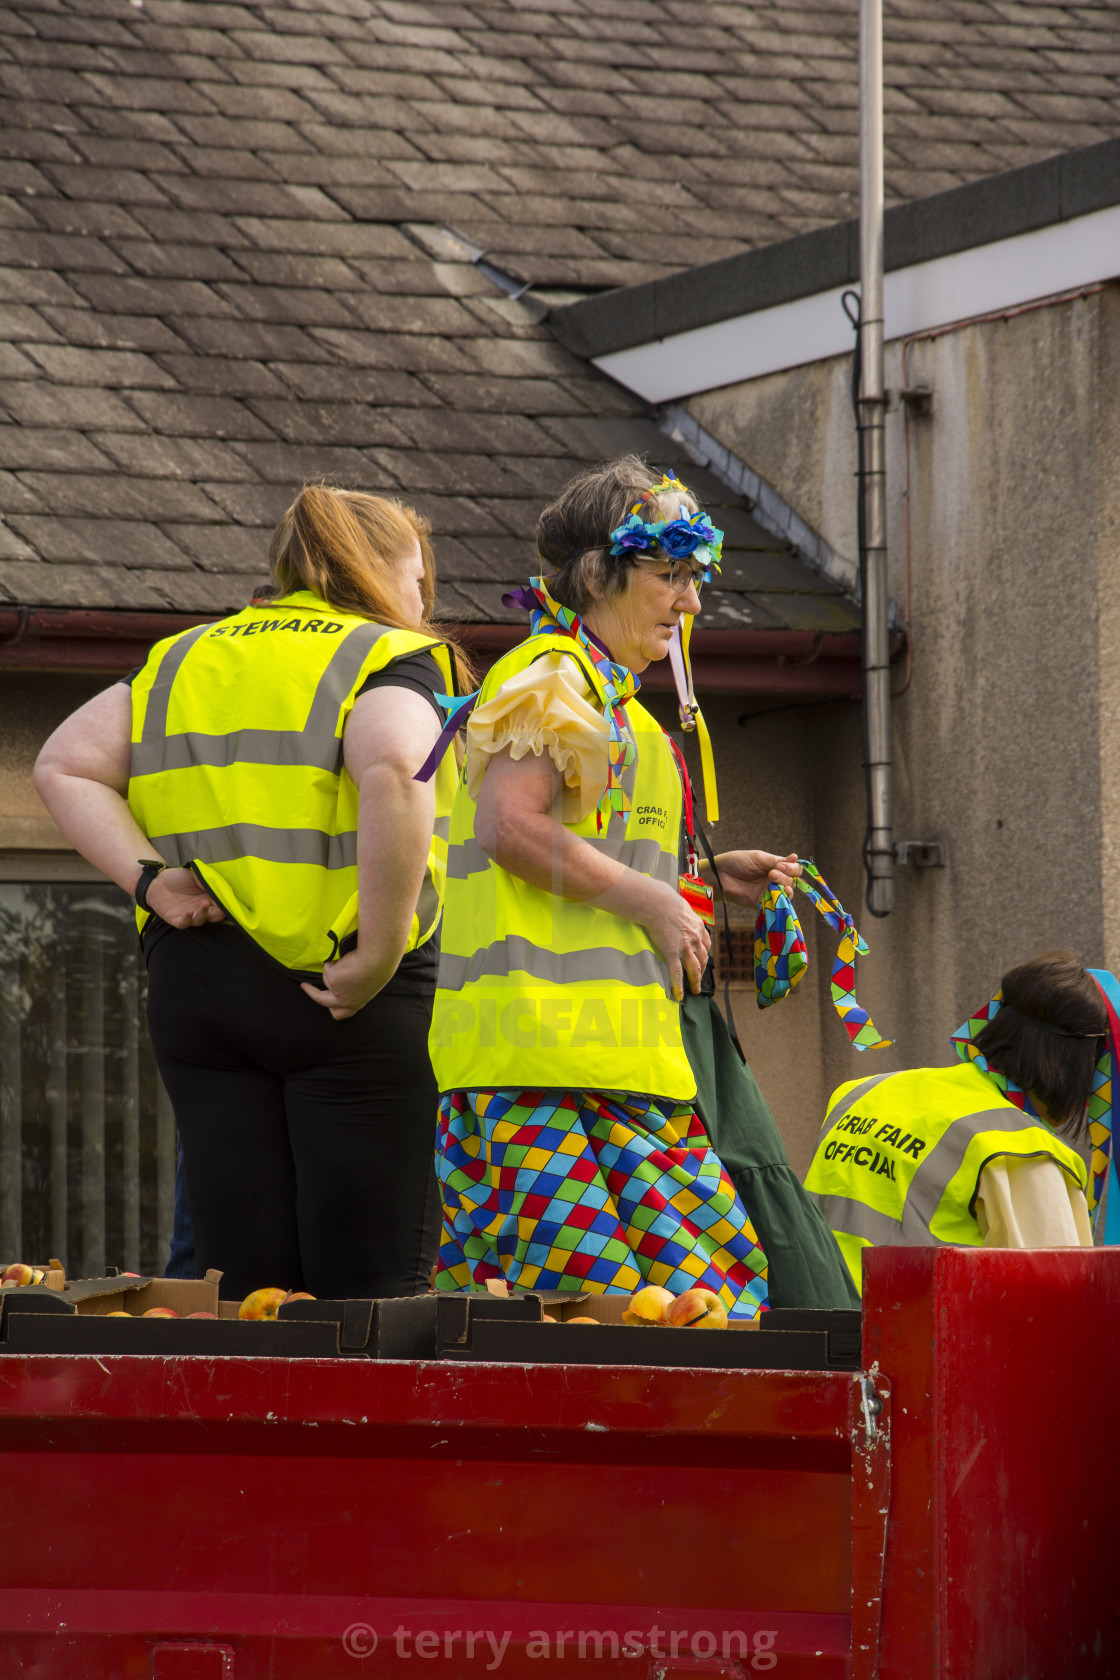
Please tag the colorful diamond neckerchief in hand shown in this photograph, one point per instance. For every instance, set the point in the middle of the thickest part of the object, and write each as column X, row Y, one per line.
column 780, row 957
column 1100, row 1098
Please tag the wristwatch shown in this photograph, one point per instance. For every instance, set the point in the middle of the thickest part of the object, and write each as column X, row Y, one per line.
column 149, row 869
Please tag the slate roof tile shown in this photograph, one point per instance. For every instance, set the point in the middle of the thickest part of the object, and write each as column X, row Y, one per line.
column 223, row 548
column 82, row 585
column 214, row 296
column 250, row 504
column 19, row 320
column 114, row 496
column 196, row 591
column 147, row 455
column 23, row 447
column 333, row 382
column 409, row 352
column 290, row 463
column 17, row 497
column 221, row 376
column 181, row 262
column 113, row 368
column 357, row 424
column 300, row 306
column 124, row 543
column 167, row 298
column 178, row 415
column 111, row 332
column 14, row 365
column 37, row 403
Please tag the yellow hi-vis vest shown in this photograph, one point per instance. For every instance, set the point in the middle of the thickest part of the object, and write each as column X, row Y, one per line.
column 237, row 769
column 901, row 1154
column 540, row 991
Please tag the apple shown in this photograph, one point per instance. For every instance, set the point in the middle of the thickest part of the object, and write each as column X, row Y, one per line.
column 698, row 1309
column 549, row 1318
column 298, row 1295
column 118, row 1314
column 581, row 1321
column 160, row 1312
column 648, row 1306
column 17, row 1273
column 202, row 1315
column 128, row 1274
column 262, row 1303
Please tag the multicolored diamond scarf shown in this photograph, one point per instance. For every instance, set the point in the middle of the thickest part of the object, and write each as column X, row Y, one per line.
column 1100, row 1098
column 780, row 956
column 618, row 685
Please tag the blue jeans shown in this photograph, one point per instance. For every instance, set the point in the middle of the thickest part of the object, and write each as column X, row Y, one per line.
column 181, row 1261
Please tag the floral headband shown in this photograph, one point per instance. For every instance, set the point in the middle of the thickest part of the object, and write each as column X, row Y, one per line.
column 687, row 534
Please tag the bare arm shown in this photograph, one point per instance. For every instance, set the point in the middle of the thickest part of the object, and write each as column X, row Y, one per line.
column 388, row 735
column 514, row 825
column 81, row 775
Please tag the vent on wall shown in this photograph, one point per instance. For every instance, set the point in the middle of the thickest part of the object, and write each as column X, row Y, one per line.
column 742, row 956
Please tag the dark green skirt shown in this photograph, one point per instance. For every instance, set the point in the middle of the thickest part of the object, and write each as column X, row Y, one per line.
column 806, row 1268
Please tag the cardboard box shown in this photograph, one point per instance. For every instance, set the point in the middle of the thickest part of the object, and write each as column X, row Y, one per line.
column 399, row 1327
column 36, row 1319
column 513, row 1328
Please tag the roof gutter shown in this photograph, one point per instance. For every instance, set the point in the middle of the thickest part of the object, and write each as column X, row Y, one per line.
column 825, row 664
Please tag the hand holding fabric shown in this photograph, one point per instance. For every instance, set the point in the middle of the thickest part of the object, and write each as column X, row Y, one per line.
column 178, row 898
column 350, row 984
column 746, row 875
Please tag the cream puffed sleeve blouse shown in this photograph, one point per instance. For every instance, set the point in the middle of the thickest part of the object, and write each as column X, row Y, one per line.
column 546, row 708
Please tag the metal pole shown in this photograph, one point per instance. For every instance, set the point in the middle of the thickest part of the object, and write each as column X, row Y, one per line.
column 93, row 1100
column 130, row 1105
column 872, row 403
column 11, row 1113
column 58, row 1102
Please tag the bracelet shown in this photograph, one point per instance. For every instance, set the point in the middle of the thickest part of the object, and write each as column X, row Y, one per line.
column 149, row 869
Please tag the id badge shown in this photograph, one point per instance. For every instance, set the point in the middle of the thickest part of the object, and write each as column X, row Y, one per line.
column 699, row 896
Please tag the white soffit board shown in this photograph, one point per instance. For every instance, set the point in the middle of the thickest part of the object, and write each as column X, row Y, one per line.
column 1058, row 258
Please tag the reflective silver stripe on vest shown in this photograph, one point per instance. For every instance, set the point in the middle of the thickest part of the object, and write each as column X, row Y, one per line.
column 241, row 746
column 466, row 857
column 932, row 1178
column 340, row 676
column 515, row 954
column 427, row 906
column 316, row 746
column 856, row 1219
column 271, row 845
column 159, row 695
column 841, row 1107
column 927, row 1187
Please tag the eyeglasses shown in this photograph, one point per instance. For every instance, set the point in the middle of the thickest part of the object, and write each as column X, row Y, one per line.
column 680, row 575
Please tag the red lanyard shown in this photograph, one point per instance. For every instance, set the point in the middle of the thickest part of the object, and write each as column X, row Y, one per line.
column 693, row 855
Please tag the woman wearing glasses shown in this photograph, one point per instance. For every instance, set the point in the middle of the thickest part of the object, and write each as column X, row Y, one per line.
column 570, row 1151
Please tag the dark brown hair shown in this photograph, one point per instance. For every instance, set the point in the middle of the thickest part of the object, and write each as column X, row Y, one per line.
column 345, row 546
column 573, row 532
column 1055, row 990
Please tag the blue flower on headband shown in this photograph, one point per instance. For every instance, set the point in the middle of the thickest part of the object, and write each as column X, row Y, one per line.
column 679, row 538
column 636, row 534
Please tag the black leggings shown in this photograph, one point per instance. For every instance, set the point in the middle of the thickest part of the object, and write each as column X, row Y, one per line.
column 307, row 1142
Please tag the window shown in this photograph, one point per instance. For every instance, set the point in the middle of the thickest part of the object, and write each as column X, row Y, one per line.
column 87, row 1136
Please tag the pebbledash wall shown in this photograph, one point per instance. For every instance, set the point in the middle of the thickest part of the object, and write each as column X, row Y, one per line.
column 1007, row 740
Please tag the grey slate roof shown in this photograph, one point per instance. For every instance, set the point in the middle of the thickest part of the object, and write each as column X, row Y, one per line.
column 224, row 271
